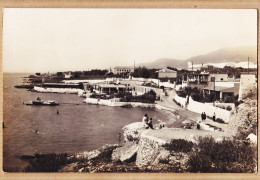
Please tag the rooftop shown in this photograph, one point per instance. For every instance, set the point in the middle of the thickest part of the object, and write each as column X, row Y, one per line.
column 166, row 70
column 222, row 88
column 111, row 86
column 124, row 67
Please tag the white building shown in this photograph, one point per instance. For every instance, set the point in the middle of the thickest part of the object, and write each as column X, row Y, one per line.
column 218, row 77
column 122, row 69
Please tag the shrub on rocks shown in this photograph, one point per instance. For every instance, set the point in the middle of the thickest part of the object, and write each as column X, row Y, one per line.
column 47, row 162
column 179, row 145
column 225, row 156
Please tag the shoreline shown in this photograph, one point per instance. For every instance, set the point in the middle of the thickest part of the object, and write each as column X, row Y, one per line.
column 135, row 155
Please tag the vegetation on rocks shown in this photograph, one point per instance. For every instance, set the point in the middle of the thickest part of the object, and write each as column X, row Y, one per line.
column 179, row 145
column 47, row 162
column 221, row 157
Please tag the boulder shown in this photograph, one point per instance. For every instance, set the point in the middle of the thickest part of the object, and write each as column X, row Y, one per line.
column 132, row 131
column 126, row 153
column 148, row 150
column 252, row 138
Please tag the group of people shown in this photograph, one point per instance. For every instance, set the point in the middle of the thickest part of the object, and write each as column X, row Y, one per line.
column 204, row 116
column 148, row 122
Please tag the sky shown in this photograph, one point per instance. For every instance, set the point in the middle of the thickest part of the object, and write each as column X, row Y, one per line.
column 42, row 40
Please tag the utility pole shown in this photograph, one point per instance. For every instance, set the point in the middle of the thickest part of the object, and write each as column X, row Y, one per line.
column 248, row 66
column 214, row 93
column 191, row 65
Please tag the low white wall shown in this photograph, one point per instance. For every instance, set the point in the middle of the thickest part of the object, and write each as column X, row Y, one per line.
column 83, row 81
column 142, row 79
column 208, row 108
column 112, row 102
column 58, row 90
column 180, row 100
column 167, row 84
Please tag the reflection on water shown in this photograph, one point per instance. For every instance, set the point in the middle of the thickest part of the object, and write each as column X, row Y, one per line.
column 39, row 129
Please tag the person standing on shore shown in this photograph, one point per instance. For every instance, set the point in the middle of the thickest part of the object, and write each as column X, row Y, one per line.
column 214, row 117
column 202, row 116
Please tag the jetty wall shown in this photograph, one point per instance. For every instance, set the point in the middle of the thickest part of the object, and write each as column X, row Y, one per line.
column 117, row 103
column 58, row 90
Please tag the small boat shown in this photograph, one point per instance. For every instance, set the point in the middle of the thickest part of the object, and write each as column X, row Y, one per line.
column 127, row 106
column 39, row 102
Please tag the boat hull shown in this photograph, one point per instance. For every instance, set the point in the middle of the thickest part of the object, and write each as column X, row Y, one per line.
column 42, row 103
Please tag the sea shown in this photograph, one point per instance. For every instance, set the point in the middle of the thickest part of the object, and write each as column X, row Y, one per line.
column 78, row 127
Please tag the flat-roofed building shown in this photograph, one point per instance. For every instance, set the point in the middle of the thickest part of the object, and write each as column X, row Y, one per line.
column 165, row 75
column 109, row 88
column 218, row 77
column 122, row 69
column 140, row 90
column 222, row 92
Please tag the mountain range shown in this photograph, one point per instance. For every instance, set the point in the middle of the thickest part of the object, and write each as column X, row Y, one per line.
column 225, row 55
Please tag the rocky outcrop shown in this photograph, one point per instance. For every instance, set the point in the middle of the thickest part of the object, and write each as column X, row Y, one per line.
column 96, row 153
column 248, row 86
column 149, row 148
column 244, row 118
column 126, row 153
column 132, row 131
column 162, row 156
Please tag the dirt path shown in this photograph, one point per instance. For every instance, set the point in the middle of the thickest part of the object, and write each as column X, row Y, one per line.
column 167, row 101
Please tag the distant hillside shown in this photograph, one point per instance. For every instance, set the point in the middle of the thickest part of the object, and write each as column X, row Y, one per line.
column 236, row 54
column 164, row 62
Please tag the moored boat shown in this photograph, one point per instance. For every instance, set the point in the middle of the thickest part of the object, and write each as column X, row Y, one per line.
column 39, row 102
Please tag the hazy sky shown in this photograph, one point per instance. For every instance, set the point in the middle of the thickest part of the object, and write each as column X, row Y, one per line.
column 80, row 39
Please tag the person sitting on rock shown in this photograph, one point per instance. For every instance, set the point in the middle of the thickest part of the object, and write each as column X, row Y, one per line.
column 145, row 119
column 150, row 123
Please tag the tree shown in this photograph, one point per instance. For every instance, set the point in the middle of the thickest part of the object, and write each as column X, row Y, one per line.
column 59, row 73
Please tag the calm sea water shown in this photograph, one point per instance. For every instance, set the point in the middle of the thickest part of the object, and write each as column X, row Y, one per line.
column 76, row 128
